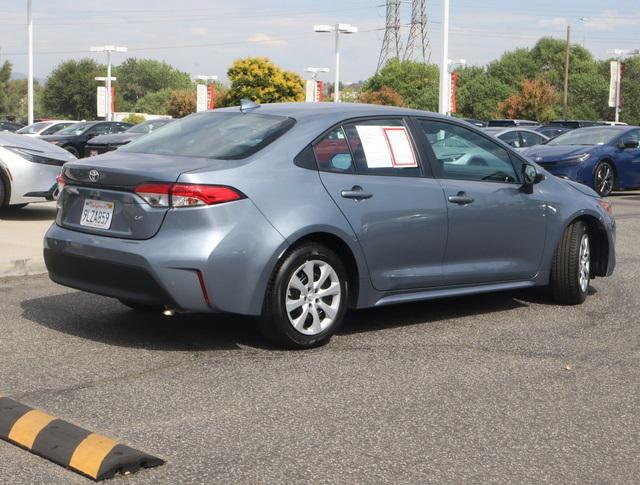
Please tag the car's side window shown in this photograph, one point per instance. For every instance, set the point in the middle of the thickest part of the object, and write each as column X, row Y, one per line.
column 100, row 130
column 511, row 138
column 332, row 152
column 382, row 147
column 464, row 154
column 120, row 128
column 530, row 139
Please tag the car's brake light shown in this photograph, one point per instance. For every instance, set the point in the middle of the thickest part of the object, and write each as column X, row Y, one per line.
column 60, row 181
column 185, row 195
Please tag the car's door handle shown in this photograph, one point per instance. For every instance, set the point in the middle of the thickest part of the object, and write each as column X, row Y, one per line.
column 356, row 192
column 461, row 198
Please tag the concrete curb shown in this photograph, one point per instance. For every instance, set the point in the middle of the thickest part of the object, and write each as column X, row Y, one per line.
column 22, row 267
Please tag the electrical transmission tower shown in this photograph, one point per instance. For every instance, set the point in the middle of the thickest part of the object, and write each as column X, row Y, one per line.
column 391, row 45
column 418, row 31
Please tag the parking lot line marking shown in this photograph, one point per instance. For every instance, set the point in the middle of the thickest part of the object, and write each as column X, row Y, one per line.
column 25, row 431
column 90, row 454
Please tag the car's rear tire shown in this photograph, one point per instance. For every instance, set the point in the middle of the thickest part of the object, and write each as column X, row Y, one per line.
column 73, row 150
column 570, row 269
column 141, row 307
column 604, row 179
column 306, row 298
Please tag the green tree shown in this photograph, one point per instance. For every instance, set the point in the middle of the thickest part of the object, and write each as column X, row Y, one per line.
column 16, row 98
column 262, row 81
column 139, row 77
column 513, row 67
column 156, row 102
column 479, row 94
column 630, row 92
column 5, row 76
column 70, row 90
column 134, row 118
column 416, row 82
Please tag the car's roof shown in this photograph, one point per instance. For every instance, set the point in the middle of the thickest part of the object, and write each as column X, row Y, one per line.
column 502, row 129
column 306, row 110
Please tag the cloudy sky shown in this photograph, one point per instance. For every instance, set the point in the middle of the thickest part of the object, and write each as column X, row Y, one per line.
column 204, row 37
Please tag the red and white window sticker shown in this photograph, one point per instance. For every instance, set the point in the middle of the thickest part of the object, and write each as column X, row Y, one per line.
column 386, row 146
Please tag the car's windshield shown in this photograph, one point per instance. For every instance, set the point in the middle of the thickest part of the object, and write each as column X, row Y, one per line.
column 229, row 135
column 75, row 129
column 34, row 128
column 585, row 136
column 147, row 126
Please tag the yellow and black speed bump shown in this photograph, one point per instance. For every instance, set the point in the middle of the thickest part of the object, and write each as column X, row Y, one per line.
column 90, row 454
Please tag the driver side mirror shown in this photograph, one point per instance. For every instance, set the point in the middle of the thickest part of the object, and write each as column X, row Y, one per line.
column 530, row 177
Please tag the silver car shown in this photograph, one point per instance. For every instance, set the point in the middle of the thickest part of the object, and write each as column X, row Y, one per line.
column 518, row 138
column 296, row 212
column 28, row 169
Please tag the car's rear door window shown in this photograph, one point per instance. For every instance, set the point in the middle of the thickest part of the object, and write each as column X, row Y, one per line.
column 530, row 139
column 382, row 147
column 332, row 152
column 511, row 138
column 466, row 155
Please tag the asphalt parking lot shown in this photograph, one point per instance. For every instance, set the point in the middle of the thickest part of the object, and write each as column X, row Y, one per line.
column 502, row 388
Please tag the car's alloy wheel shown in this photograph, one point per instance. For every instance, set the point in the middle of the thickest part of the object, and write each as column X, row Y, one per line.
column 585, row 263
column 313, row 297
column 306, row 298
column 604, row 178
column 571, row 266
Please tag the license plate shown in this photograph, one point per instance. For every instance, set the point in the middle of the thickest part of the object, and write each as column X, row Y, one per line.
column 93, row 153
column 97, row 213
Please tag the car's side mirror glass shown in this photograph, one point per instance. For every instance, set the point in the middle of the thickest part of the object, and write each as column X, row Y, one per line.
column 529, row 174
column 630, row 144
column 341, row 161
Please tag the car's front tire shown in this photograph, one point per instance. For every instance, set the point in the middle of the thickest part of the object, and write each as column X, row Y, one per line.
column 570, row 270
column 604, row 178
column 306, row 298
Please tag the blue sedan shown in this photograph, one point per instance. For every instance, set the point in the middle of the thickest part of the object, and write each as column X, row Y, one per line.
column 604, row 158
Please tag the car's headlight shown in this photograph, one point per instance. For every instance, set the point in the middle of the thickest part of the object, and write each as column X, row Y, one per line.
column 579, row 158
column 34, row 157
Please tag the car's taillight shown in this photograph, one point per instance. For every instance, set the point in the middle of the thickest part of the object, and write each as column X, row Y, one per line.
column 60, row 181
column 185, row 195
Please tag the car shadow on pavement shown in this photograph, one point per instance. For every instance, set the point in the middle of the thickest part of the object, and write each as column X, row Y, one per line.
column 29, row 213
column 430, row 312
column 107, row 321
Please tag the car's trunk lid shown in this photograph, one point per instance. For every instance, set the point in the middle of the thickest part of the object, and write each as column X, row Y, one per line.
column 107, row 183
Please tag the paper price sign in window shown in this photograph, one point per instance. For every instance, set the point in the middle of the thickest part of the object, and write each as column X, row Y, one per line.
column 386, row 146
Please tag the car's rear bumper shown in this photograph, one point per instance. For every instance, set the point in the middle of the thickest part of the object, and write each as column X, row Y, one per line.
column 191, row 260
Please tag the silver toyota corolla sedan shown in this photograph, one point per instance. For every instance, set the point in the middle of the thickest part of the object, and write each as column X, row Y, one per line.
column 297, row 212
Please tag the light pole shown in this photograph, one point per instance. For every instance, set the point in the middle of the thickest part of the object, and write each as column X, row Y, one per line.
column 108, row 49
column 338, row 29
column 444, row 101
column 620, row 53
column 30, row 63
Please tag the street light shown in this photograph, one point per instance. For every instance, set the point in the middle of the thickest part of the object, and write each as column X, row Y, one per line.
column 620, row 53
column 338, row 29
column 30, row 63
column 108, row 49
column 315, row 70
column 444, row 101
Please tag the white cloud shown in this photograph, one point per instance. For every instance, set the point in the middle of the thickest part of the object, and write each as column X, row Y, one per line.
column 611, row 20
column 260, row 38
column 199, row 31
column 554, row 22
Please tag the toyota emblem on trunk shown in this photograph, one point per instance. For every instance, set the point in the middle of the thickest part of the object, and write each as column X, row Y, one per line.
column 94, row 175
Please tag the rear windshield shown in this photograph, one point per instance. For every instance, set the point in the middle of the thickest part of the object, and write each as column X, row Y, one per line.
column 227, row 136
column 501, row 123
